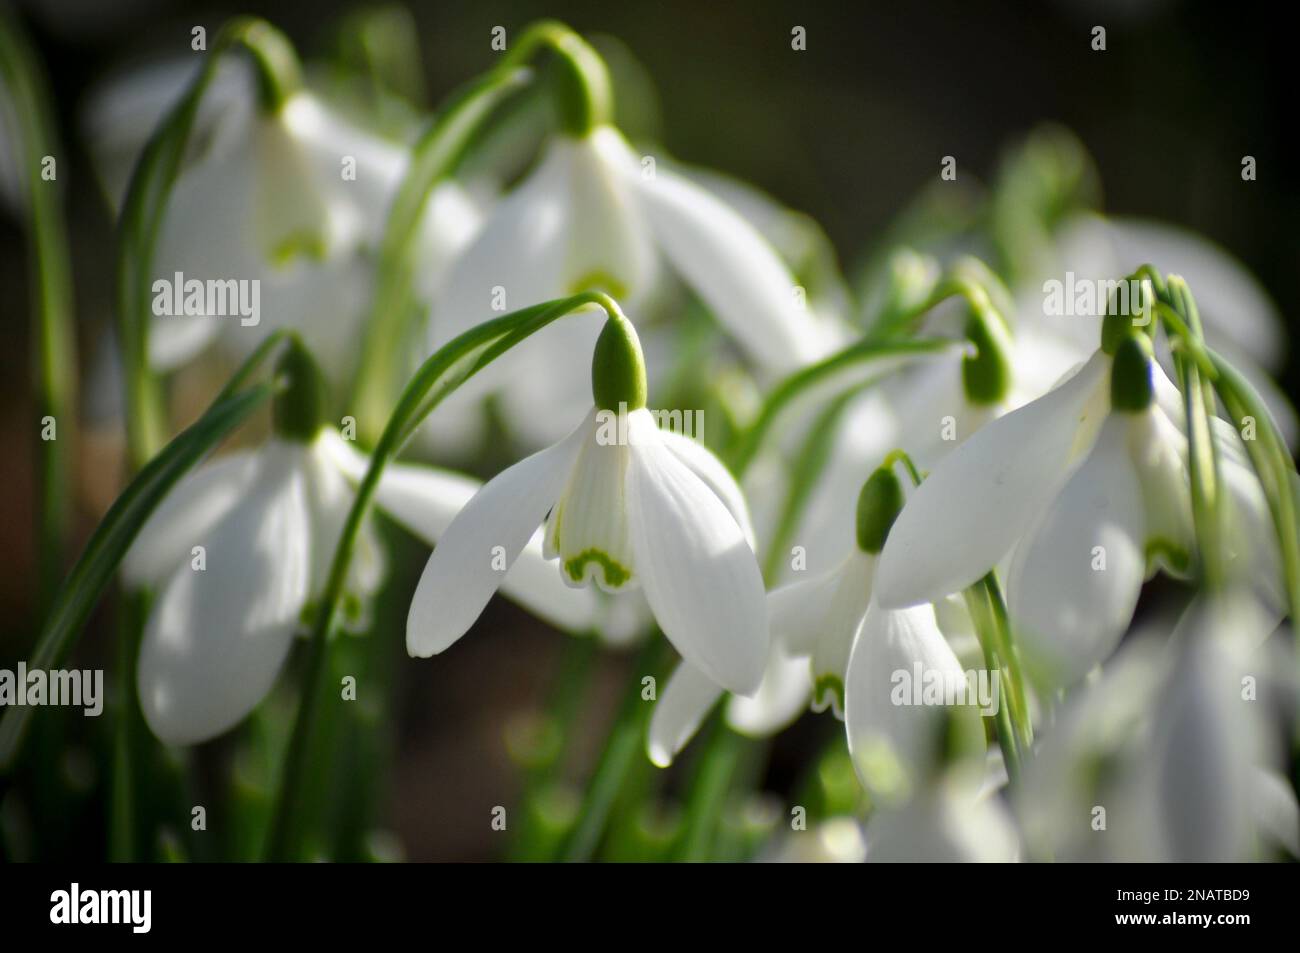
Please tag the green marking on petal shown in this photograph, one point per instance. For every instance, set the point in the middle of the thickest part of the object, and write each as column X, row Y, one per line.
column 615, row 574
column 829, row 685
column 306, row 244
column 1175, row 558
column 599, row 281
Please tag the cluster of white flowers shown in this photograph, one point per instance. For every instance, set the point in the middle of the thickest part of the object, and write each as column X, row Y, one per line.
column 893, row 499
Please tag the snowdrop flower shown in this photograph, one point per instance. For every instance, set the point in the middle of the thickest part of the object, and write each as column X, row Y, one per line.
column 930, row 403
column 592, row 216
column 1240, row 318
column 241, row 547
column 1173, row 741
column 294, row 200
column 1083, row 483
column 813, row 624
column 831, row 645
column 624, row 505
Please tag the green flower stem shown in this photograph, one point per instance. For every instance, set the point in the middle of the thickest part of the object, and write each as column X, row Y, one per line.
column 898, row 456
column 435, row 157
column 583, row 93
column 278, row 77
column 622, row 749
column 812, row 459
column 1203, row 465
column 719, row 761
column 442, row 373
column 55, row 357
column 979, row 601
column 970, row 279
column 454, row 132
column 805, row 379
column 109, row 543
column 1273, row 465
column 543, row 758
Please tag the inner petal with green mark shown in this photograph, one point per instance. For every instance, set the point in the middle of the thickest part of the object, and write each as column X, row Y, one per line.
column 587, row 528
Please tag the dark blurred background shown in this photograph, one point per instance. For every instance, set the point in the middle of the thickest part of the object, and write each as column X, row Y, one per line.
column 846, row 131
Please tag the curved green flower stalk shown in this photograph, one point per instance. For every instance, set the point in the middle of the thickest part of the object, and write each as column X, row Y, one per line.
column 442, row 373
column 804, row 380
column 108, row 545
column 278, row 76
column 581, row 90
column 54, row 354
column 1273, row 465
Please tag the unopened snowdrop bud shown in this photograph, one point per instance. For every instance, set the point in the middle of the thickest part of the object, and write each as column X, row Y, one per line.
column 987, row 373
column 1131, row 386
column 879, row 504
column 618, row 368
column 299, row 410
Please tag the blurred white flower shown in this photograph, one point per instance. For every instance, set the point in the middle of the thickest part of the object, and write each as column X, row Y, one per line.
column 268, row 521
column 590, row 215
column 296, row 200
column 1240, row 318
column 1170, row 755
column 952, row 821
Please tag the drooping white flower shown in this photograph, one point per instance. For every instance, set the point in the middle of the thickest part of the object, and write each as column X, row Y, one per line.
column 1169, row 755
column 1241, row 320
column 900, row 736
column 1088, row 502
column 591, row 216
column 624, row 505
column 979, row 501
column 241, row 548
column 237, row 551
column 295, row 200
column 812, row 622
column 827, row 637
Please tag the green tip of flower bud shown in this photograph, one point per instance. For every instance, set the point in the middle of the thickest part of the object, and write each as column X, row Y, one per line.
column 986, row 374
column 299, row 410
column 879, row 504
column 618, row 368
column 1131, row 387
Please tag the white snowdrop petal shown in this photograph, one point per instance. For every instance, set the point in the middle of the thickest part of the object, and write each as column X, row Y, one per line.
column 781, row 698
column 521, row 250
column 948, row 824
column 797, row 612
column 215, row 639
column 610, row 249
column 679, row 712
column 470, row 561
column 187, row 515
column 426, row 499
column 1159, row 453
column 1075, row 579
column 895, row 737
column 733, row 270
column 588, row 526
column 698, row 573
column 715, row 475
column 981, row 498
